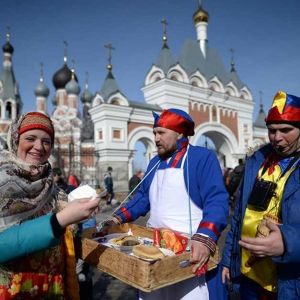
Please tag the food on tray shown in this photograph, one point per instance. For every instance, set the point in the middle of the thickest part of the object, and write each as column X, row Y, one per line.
column 125, row 240
column 172, row 240
column 148, row 251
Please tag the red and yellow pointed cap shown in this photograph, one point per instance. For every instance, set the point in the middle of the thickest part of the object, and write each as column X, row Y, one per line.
column 285, row 108
column 175, row 119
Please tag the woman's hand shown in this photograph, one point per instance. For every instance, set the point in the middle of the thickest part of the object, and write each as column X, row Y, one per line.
column 78, row 210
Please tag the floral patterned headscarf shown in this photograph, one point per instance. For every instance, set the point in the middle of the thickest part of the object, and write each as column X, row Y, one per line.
column 26, row 190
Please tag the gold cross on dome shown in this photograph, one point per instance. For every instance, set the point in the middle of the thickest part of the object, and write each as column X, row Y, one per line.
column 8, row 34
column 41, row 71
column 65, row 55
column 109, row 47
column 165, row 23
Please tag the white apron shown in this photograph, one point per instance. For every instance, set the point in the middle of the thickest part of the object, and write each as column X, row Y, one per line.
column 170, row 209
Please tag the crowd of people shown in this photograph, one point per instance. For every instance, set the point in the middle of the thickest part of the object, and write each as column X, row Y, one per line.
column 183, row 189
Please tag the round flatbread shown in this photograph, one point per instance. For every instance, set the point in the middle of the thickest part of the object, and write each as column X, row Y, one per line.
column 148, row 251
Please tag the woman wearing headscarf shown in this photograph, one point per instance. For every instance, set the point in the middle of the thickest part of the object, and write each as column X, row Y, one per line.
column 37, row 255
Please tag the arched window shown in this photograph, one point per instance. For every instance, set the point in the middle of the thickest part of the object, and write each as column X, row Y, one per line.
column 8, row 110
column 115, row 102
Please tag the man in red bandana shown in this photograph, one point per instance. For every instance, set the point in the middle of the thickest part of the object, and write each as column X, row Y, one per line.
column 184, row 191
column 261, row 253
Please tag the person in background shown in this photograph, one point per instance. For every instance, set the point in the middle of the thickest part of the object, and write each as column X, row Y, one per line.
column 140, row 175
column 184, row 192
column 133, row 182
column 37, row 253
column 58, row 179
column 234, row 182
column 73, row 181
column 261, row 252
column 235, row 177
column 226, row 176
column 109, row 184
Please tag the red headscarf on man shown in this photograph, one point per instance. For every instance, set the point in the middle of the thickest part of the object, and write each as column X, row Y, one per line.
column 175, row 119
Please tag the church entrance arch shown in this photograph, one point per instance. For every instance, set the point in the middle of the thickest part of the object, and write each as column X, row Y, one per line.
column 224, row 141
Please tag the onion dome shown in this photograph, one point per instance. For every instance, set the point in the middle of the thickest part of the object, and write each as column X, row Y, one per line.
column 72, row 87
column 41, row 90
column 200, row 15
column 62, row 77
column 8, row 48
column 86, row 96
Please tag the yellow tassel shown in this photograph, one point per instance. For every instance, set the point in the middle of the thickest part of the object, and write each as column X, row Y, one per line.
column 72, row 287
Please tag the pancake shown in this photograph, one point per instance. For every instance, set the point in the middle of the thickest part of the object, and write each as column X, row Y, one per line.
column 148, row 251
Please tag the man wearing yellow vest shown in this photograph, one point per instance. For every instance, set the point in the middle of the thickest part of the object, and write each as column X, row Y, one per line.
column 262, row 251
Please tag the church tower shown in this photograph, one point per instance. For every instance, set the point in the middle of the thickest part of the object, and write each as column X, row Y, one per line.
column 41, row 92
column 199, row 83
column 10, row 101
column 66, row 121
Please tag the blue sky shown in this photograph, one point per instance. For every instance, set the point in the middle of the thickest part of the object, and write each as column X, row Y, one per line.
column 263, row 33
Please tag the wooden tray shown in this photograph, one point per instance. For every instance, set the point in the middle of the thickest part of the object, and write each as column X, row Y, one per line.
column 143, row 275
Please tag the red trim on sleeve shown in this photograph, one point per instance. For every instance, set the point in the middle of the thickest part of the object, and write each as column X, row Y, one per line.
column 210, row 226
column 126, row 214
